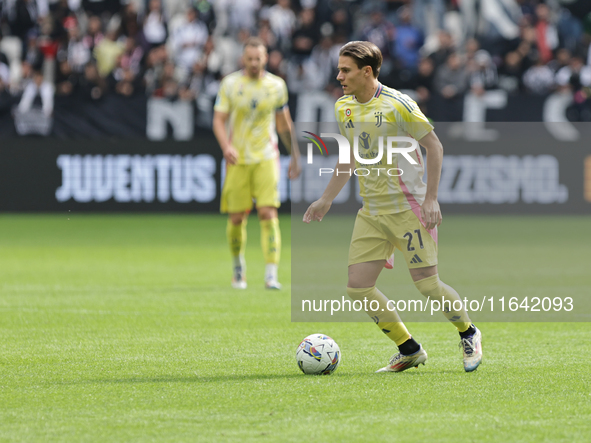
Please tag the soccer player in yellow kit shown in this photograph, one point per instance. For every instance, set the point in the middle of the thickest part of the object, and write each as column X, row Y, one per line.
column 398, row 211
column 253, row 104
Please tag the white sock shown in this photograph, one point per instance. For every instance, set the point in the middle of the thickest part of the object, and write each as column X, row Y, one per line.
column 271, row 272
column 239, row 262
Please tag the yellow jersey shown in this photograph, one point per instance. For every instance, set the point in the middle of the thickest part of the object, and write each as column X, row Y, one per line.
column 385, row 188
column 251, row 105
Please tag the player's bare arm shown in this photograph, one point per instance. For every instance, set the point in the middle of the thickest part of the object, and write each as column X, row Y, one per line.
column 430, row 211
column 285, row 129
column 219, row 130
column 317, row 210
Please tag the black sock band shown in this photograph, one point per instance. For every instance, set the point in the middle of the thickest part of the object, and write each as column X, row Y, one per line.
column 468, row 332
column 409, row 347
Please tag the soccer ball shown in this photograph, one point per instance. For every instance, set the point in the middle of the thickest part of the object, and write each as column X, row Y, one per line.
column 318, row 354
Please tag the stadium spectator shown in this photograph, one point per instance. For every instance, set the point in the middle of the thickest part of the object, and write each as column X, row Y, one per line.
column 277, row 64
column 174, row 8
column 94, row 33
column 444, row 49
column 230, row 49
column 495, row 22
column 539, row 79
column 60, row 10
column 196, row 83
column 562, row 59
column 22, row 19
column 451, row 79
column 546, row 33
column 132, row 56
column 6, row 98
column 107, row 51
column 155, row 28
column 511, row 72
column 424, row 81
column 4, row 69
column 379, row 31
column 570, row 29
column 102, row 7
column 78, row 51
column 341, row 22
column 483, row 74
column 155, row 62
column 265, row 34
column 470, row 49
column 325, row 56
column 65, row 79
column 124, row 79
column 17, row 87
column 33, row 114
column 48, row 43
column 282, row 20
column 206, row 13
column 428, row 15
column 234, row 15
column 189, row 39
column 306, row 34
column 576, row 80
column 33, row 54
column 304, row 75
column 408, row 40
column 203, row 84
column 450, row 85
column 574, row 76
column 130, row 23
column 91, row 86
column 168, row 81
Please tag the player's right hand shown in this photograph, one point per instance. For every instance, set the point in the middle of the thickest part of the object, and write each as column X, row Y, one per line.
column 231, row 155
column 317, row 210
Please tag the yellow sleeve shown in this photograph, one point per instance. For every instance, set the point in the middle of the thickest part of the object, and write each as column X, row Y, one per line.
column 339, row 120
column 283, row 97
column 222, row 101
column 410, row 118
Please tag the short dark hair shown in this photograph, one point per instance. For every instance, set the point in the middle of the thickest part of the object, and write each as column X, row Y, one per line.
column 255, row 42
column 364, row 54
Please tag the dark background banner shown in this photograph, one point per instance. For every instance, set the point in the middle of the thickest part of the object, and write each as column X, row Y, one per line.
column 49, row 174
column 112, row 116
column 158, row 119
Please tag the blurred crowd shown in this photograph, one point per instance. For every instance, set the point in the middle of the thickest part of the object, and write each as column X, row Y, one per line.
column 180, row 49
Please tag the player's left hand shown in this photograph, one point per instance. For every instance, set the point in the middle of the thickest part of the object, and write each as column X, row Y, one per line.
column 431, row 214
column 294, row 168
column 317, row 210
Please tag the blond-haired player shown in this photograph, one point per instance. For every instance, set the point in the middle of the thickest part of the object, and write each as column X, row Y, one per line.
column 398, row 211
column 250, row 110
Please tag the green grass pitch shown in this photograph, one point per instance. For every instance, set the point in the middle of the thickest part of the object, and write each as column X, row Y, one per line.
column 125, row 328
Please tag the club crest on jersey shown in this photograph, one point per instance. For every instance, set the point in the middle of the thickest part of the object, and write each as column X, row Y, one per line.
column 379, row 116
column 348, row 113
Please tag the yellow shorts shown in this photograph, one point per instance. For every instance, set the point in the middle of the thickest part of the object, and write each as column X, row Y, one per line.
column 244, row 183
column 376, row 236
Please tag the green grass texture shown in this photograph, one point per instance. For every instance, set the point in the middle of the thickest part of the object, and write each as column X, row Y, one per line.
column 125, row 328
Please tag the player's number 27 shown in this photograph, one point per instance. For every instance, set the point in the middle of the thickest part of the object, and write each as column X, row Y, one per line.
column 409, row 235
